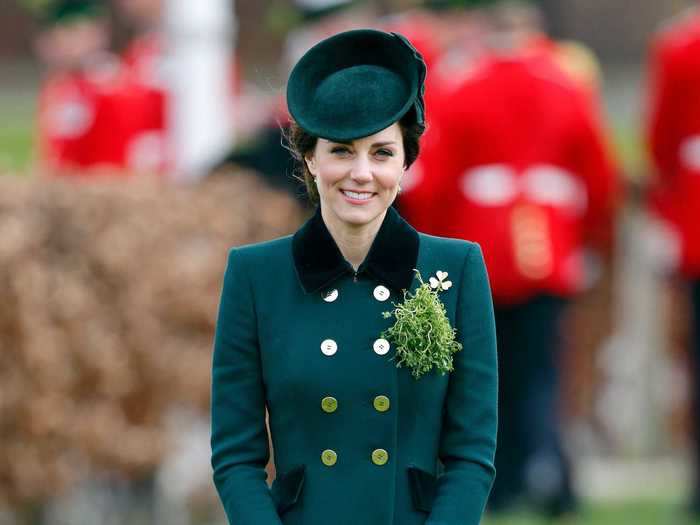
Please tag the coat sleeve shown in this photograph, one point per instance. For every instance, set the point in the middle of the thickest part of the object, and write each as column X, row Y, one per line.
column 594, row 163
column 666, row 107
column 468, row 439
column 239, row 438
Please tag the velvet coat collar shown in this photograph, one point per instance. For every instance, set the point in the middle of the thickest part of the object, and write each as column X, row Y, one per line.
column 391, row 258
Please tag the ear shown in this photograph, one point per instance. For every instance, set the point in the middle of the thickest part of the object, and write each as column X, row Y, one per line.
column 310, row 160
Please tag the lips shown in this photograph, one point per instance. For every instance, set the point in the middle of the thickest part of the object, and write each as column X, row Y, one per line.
column 357, row 195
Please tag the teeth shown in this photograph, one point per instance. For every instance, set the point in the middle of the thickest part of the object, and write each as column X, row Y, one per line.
column 358, row 196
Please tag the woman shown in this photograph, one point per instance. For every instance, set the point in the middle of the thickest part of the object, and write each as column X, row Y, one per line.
column 358, row 439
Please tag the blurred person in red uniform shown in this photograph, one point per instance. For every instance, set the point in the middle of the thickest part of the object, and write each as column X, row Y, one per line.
column 520, row 165
column 450, row 36
column 524, row 24
column 79, row 80
column 453, row 35
column 88, row 109
column 673, row 136
column 146, row 68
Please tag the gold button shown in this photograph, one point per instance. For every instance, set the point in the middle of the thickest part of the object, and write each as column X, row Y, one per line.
column 329, row 457
column 381, row 403
column 329, row 404
column 380, row 456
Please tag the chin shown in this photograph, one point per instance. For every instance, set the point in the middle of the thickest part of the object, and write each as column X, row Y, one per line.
column 358, row 217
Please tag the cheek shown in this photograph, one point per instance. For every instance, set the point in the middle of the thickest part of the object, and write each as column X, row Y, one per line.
column 330, row 174
column 388, row 178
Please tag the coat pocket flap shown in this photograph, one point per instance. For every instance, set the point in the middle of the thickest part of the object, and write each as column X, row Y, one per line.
column 286, row 488
column 423, row 488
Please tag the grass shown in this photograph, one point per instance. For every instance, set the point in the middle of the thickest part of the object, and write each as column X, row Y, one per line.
column 16, row 148
column 16, row 130
column 633, row 512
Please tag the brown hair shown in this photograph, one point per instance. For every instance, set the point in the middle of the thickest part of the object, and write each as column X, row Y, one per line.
column 301, row 143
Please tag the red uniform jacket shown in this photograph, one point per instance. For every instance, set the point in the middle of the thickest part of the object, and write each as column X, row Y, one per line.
column 447, row 69
column 88, row 121
column 79, row 120
column 146, row 81
column 674, row 135
column 66, row 114
column 519, row 166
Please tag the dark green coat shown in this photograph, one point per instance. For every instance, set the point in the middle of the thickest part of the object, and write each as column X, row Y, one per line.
column 437, row 433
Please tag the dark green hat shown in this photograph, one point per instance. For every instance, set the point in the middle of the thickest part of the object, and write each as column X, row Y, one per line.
column 52, row 12
column 357, row 83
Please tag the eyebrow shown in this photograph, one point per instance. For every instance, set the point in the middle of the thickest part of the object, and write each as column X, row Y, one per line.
column 375, row 145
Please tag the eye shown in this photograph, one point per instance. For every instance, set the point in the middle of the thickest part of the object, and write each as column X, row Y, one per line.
column 339, row 150
column 385, row 152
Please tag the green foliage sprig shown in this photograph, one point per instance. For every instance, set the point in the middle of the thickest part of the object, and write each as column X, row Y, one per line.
column 422, row 334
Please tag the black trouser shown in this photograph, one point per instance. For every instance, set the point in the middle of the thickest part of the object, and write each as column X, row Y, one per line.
column 695, row 361
column 530, row 460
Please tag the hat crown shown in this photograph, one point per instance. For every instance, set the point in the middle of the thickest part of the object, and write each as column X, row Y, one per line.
column 342, row 107
column 355, row 84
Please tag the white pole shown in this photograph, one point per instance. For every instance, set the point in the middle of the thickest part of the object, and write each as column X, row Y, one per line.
column 199, row 36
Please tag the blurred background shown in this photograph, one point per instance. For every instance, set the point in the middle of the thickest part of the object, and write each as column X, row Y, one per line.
column 140, row 139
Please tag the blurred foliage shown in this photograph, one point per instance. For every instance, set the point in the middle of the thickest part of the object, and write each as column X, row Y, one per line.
column 110, row 290
column 281, row 17
column 35, row 6
column 630, row 152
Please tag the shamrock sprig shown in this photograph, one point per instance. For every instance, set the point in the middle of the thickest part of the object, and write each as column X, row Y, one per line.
column 422, row 335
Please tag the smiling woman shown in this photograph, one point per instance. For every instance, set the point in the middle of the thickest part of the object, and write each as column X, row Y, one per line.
column 305, row 328
column 302, row 144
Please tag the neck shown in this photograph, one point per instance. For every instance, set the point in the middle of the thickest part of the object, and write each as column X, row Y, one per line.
column 353, row 241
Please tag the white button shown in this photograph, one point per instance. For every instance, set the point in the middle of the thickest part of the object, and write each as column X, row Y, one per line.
column 330, row 295
column 381, row 293
column 381, row 346
column 329, row 347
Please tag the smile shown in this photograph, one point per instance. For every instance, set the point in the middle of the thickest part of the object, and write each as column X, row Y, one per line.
column 358, row 196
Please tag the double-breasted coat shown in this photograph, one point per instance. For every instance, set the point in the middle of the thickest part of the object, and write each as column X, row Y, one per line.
column 357, row 440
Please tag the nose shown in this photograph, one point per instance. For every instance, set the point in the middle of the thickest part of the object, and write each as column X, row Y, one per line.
column 361, row 169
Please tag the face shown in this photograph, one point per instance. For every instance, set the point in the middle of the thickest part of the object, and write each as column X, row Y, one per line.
column 70, row 44
column 358, row 181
